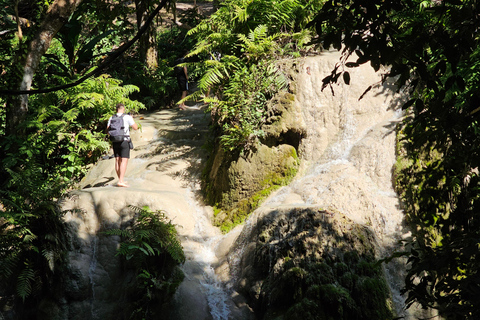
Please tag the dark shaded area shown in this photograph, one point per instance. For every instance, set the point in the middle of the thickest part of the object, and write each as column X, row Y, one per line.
column 101, row 183
column 290, row 137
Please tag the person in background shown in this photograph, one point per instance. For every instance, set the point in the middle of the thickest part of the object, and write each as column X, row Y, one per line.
column 182, row 80
column 121, row 150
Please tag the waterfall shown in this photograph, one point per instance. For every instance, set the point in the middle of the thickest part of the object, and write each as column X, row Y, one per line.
column 348, row 156
column 203, row 255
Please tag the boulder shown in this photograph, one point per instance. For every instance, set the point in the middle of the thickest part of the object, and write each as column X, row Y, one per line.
column 299, row 262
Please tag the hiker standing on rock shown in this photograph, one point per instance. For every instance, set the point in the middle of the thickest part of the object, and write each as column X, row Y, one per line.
column 119, row 130
column 182, row 79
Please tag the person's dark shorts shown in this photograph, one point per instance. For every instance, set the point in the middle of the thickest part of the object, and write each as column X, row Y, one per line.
column 182, row 83
column 121, row 149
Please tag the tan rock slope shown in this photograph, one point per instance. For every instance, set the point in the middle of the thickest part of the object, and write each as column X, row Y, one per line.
column 163, row 173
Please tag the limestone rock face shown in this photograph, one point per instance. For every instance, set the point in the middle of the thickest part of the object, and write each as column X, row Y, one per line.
column 295, row 261
column 92, row 256
column 329, row 128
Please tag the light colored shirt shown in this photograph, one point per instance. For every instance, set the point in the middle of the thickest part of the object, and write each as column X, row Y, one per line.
column 127, row 122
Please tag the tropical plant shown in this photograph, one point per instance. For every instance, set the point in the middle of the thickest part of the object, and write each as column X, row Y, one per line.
column 241, row 113
column 63, row 134
column 32, row 236
column 78, row 54
column 251, row 29
column 48, row 142
column 68, row 127
column 431, row 48
column 156, row 86
column 258, row 44
column 151, row 247
column 237, row 44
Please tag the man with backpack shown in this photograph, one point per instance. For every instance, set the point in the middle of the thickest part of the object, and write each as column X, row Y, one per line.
column 119, row 130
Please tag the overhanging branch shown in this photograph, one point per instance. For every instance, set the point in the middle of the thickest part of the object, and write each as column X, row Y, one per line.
column 102, row 65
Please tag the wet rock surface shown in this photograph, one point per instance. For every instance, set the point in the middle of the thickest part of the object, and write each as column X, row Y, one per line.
column 299, row 262
column 163, row 174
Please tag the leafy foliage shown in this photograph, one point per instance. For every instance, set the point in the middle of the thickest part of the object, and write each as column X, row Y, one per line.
column 301, row 274
column 238, row 44
column 33, row 236
column 151, row 246
column 243, row 108
column 432, row 48
column 156, row 86
column 64, row 134
column 66, row 129
column 77, row 57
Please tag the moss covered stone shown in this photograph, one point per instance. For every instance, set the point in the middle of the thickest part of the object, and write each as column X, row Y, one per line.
column 248, row 180
column 307, row 263
column 237, row 182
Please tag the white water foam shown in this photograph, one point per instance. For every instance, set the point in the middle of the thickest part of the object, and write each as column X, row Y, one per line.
column 216, row 294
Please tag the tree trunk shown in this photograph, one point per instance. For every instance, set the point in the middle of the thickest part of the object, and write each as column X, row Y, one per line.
column 147, row 46
column 56, row 16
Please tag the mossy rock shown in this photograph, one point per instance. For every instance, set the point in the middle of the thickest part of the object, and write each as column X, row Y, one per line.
column 236, row 182
column 242, row 184
column 313, row 264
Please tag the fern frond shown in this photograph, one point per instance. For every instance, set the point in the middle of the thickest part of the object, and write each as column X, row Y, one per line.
column 149, row 248
column 259, row 33
column 50, row 257
column 25, row 281
column 125, row 233
column 241, row 13
column 8, row 264
column 30, row 237
column 303, row 37
column 71, row 114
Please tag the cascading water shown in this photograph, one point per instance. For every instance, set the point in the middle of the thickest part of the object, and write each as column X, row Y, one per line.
column 199, row 268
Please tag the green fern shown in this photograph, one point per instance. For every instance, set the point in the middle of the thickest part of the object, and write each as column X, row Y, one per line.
column 254, row 33
column 25, row 281
column 151, row 245
column 150, row 235
column 258, row 44
column 32, row 232
column 241, row 113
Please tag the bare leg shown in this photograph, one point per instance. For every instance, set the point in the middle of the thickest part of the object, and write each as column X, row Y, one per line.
column 117, row 166
column 183, row 106
column 122, row 165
